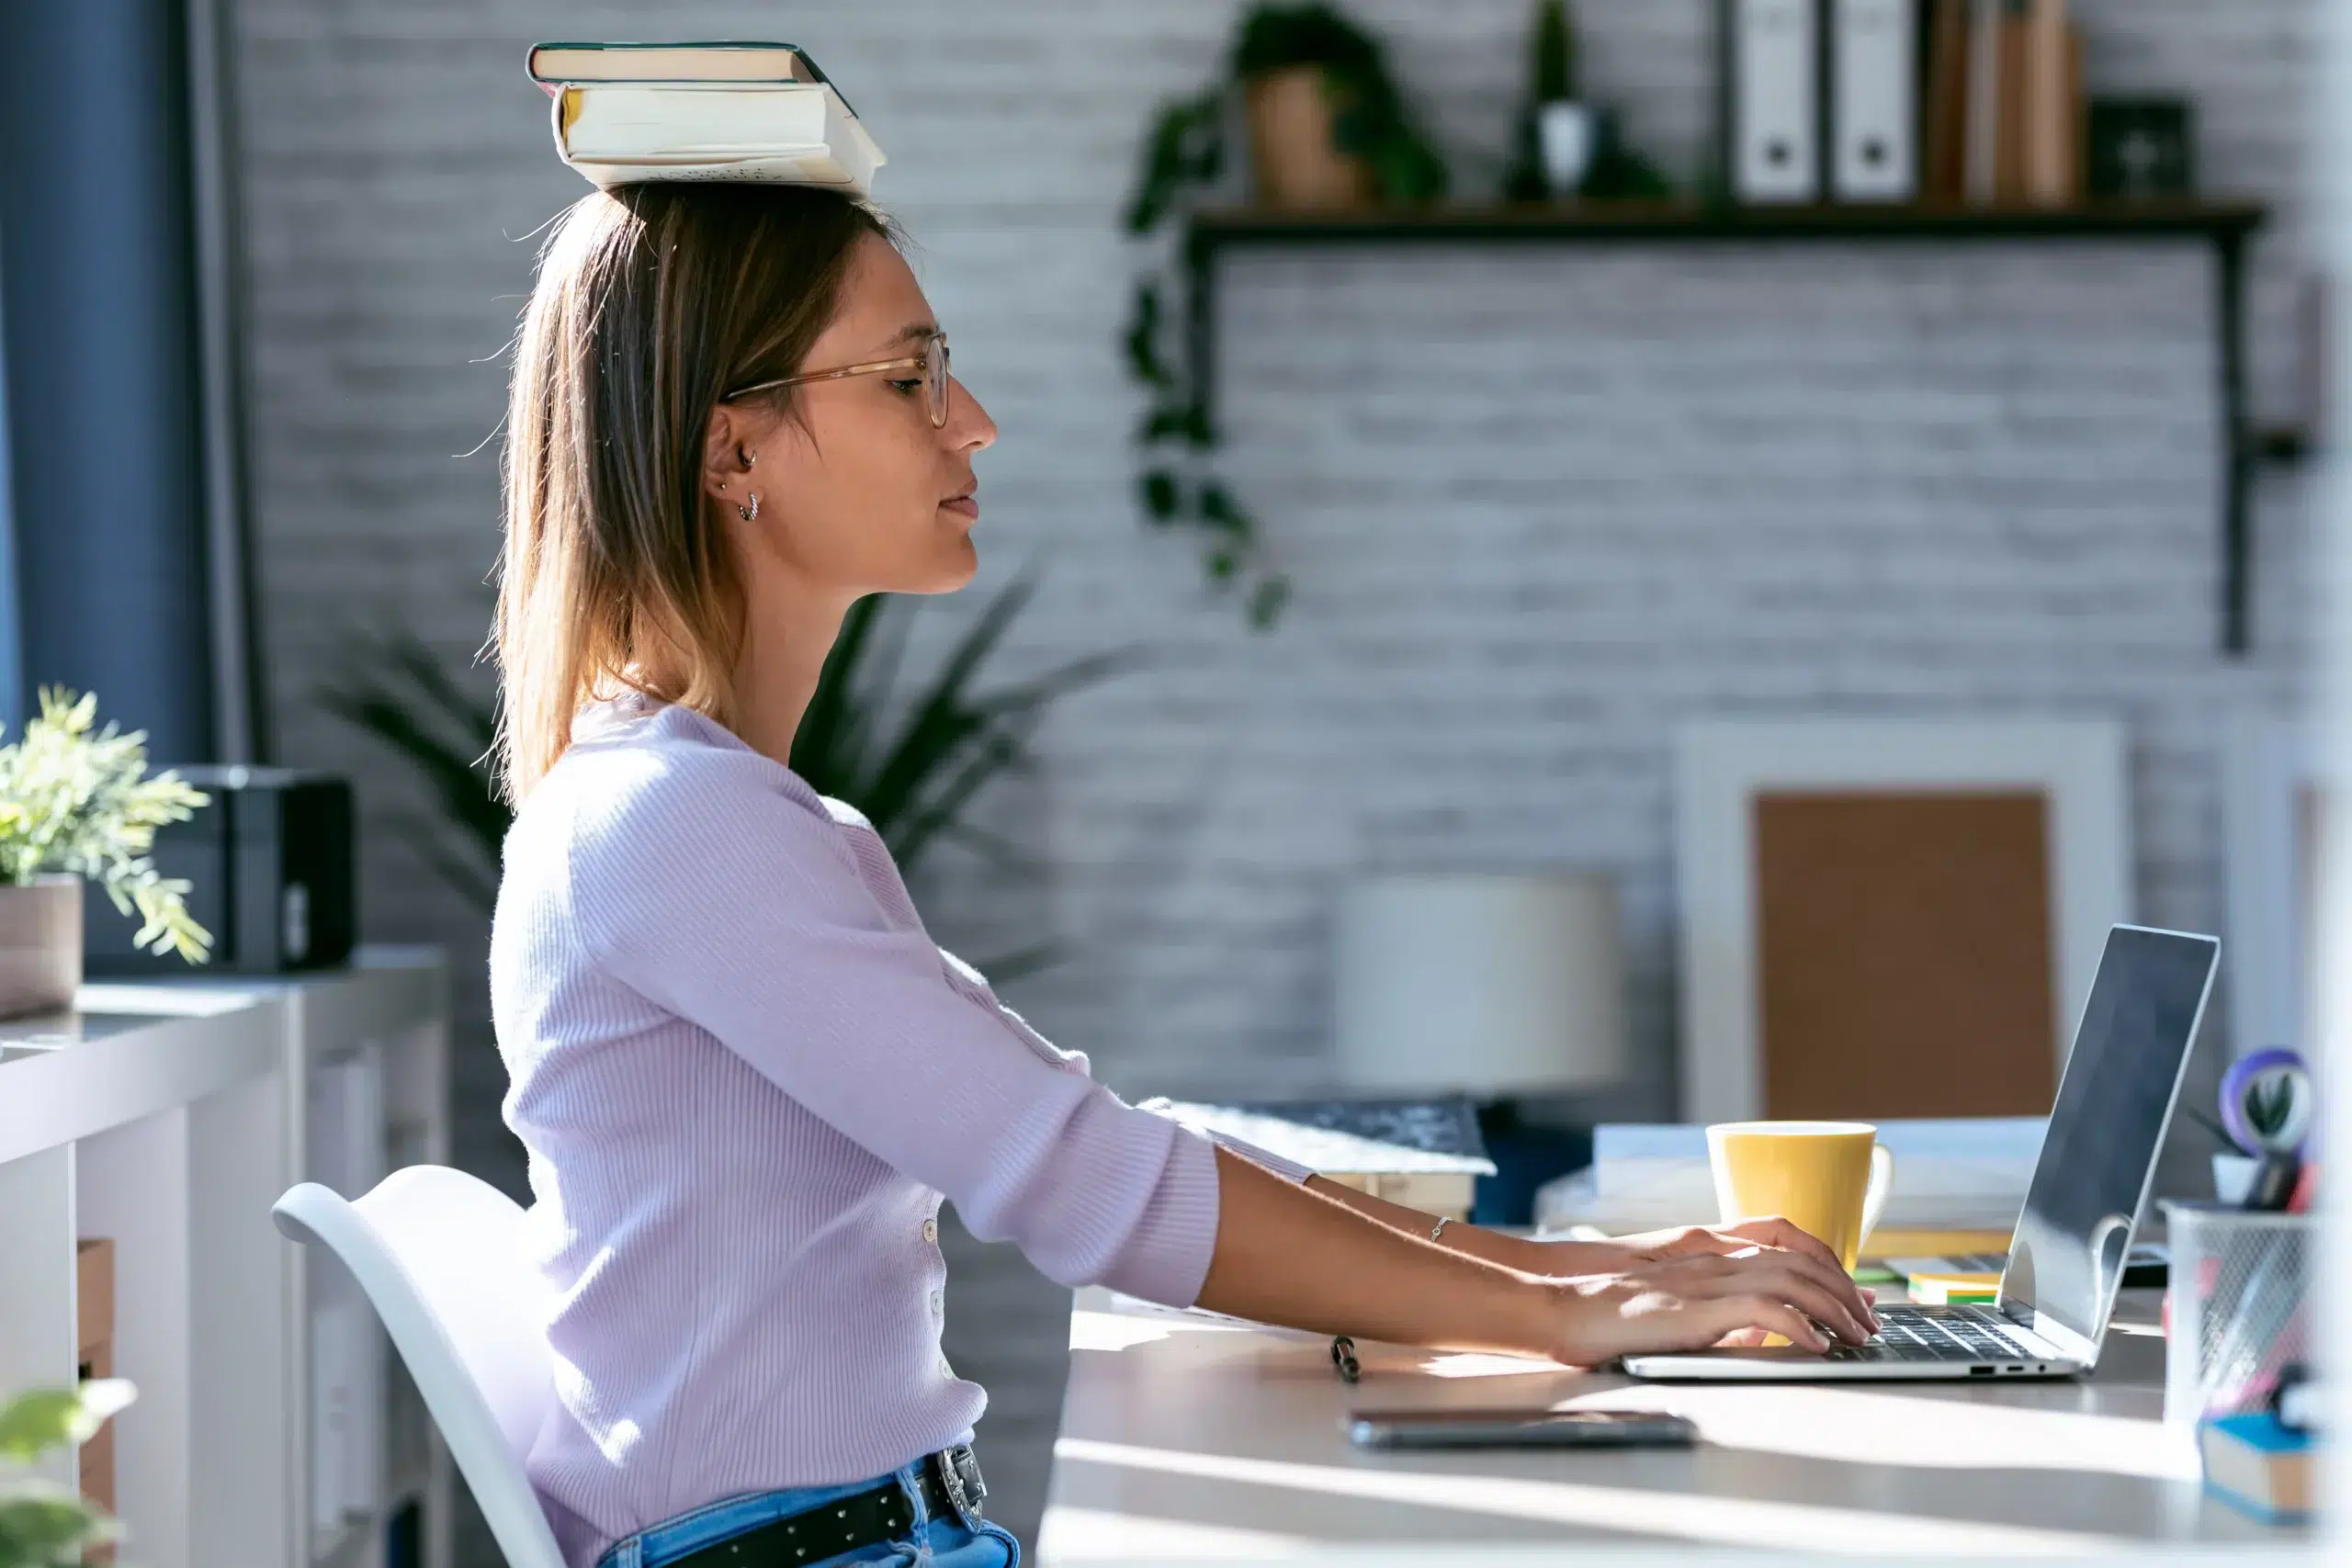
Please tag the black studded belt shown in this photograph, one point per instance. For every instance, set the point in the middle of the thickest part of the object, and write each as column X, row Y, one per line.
column 951, row 1487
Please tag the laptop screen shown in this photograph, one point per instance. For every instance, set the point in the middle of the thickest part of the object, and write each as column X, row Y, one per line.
column 2114, row 1104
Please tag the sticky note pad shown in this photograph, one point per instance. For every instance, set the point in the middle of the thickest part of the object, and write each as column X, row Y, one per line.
column 1955, row 1290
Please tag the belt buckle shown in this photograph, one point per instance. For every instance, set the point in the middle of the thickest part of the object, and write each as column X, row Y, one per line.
column 959, row 1473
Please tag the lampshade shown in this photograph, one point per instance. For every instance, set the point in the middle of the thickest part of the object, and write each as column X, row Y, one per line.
column 1480, row 983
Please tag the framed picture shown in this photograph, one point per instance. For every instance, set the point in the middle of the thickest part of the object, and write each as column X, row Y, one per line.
column 1884, row 918
column 2272, row 820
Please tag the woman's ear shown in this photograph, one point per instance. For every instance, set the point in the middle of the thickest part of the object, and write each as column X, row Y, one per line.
column 727, row 456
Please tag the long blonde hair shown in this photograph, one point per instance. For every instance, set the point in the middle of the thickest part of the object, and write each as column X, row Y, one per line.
column 651, row 300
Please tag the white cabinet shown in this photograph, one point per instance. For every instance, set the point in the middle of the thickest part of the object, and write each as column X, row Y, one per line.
column 169, row 1115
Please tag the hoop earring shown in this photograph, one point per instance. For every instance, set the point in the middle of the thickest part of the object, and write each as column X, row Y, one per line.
column 747, row 454
column 748, row 512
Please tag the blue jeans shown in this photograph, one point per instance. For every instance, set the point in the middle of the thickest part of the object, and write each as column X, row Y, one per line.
column 935, row 1543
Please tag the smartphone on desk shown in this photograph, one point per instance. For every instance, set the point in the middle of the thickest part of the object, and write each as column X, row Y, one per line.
column 1518, row 1427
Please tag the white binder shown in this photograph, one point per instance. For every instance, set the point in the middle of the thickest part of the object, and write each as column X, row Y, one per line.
column 1874, row 100
column 1772, row 144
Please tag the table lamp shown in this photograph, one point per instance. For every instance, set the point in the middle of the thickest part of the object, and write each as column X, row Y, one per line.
column 1493, row 984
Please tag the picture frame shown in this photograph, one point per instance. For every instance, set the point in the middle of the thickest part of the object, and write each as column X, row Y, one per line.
column 1724, row 769
column 2270, row 786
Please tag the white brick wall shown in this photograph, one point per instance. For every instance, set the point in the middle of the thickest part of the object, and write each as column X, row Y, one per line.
column 1538, row 504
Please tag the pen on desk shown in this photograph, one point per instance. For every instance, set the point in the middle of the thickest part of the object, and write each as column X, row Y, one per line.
column 1344, row 1356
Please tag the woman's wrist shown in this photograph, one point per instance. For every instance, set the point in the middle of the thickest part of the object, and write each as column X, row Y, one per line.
column 1562, row 1258
column 1537, row 1316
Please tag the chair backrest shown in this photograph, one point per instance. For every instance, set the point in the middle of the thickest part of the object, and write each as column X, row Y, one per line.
column 440, row 1255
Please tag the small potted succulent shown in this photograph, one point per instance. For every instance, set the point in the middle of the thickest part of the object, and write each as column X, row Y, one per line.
column 75, row 807
column 1558, row 129
column 2273, row 1113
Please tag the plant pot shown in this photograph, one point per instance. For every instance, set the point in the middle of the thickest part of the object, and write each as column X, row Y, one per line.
column 1294, row 150
column 40, row 944
column 2233, row 1176
column 1566, row 134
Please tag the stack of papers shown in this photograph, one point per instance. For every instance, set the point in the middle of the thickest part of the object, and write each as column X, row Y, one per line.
column 1423, row 1154
column 1963, row 1174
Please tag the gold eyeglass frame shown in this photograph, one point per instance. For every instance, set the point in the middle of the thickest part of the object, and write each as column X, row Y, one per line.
column 937, row 402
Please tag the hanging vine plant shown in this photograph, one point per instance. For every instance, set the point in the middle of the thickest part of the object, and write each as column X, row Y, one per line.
column 1183, row 158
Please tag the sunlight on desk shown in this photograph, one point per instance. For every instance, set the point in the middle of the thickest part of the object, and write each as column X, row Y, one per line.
column 1117, row 1331
column 1682, row 1515
column 1095, row 1532
column 1856, row 1426
column 1469, row 1364
column 1181, row 1421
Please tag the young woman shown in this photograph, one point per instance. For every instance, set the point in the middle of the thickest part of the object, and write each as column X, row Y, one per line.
column 745, row 1077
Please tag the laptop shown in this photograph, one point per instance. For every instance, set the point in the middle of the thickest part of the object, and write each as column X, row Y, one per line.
column 2098, row 1159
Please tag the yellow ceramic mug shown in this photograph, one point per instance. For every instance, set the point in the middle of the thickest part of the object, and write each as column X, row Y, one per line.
column 1827, row 1178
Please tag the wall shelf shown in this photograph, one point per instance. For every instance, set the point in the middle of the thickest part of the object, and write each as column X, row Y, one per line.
column 2223, row 225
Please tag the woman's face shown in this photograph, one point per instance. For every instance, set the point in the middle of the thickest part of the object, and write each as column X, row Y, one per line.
column 869, row 497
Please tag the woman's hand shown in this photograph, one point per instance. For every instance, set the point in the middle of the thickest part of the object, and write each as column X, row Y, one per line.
column 1705, row 1298
column 1288, row 1254
column 1685, row 1241
column 1697, row 1241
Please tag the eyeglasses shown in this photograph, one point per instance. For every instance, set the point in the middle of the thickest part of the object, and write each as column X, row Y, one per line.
column 932, row 362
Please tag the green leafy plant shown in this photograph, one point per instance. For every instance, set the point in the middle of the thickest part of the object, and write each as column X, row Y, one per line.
column 913, row 766
column 1371, row 121
column 42, row 1524
column 913, row 761
column 1556, row 54
column 1183, row 155
column 74, row 802
column 445, row 726
column 1621, row 173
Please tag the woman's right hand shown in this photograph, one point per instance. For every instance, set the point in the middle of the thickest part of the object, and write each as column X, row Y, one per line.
column 1706, row 1299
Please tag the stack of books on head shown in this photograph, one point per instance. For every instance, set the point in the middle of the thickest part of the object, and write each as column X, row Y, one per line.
column 1958, row 1187
column 628, row 112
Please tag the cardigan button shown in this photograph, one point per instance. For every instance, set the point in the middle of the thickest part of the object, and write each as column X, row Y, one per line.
column 931, row 1230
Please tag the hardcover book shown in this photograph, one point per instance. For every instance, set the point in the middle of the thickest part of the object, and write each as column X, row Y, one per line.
column 627, row 113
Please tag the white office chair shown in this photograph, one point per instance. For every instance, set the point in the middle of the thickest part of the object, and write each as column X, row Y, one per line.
column 440, row 1254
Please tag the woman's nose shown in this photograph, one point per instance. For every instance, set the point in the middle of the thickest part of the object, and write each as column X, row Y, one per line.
column 969, row 423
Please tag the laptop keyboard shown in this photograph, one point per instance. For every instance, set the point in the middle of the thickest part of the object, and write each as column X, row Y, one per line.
column 1937, row 1334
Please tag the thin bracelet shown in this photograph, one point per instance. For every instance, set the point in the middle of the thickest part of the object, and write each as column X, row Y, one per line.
column 1440, row 1226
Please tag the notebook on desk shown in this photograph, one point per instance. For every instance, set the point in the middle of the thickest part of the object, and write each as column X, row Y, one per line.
column 2098, row 1161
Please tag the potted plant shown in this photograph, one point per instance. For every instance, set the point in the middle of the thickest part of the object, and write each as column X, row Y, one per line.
column 1327, row 128
column 2269, row 1106
column 1557, row 131
column 42, row 1524
column 1566, row 144
column 73, row 807
column 911, row 760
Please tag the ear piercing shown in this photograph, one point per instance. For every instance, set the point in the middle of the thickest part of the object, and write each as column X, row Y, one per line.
column 748, row 510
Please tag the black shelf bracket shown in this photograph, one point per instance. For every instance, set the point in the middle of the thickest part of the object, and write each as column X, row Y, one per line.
column 2225, row 225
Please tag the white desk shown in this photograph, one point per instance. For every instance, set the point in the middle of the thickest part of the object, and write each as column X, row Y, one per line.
column 1182, row 1437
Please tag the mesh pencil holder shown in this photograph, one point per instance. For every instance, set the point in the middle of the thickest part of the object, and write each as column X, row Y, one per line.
column 2240, row 1284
